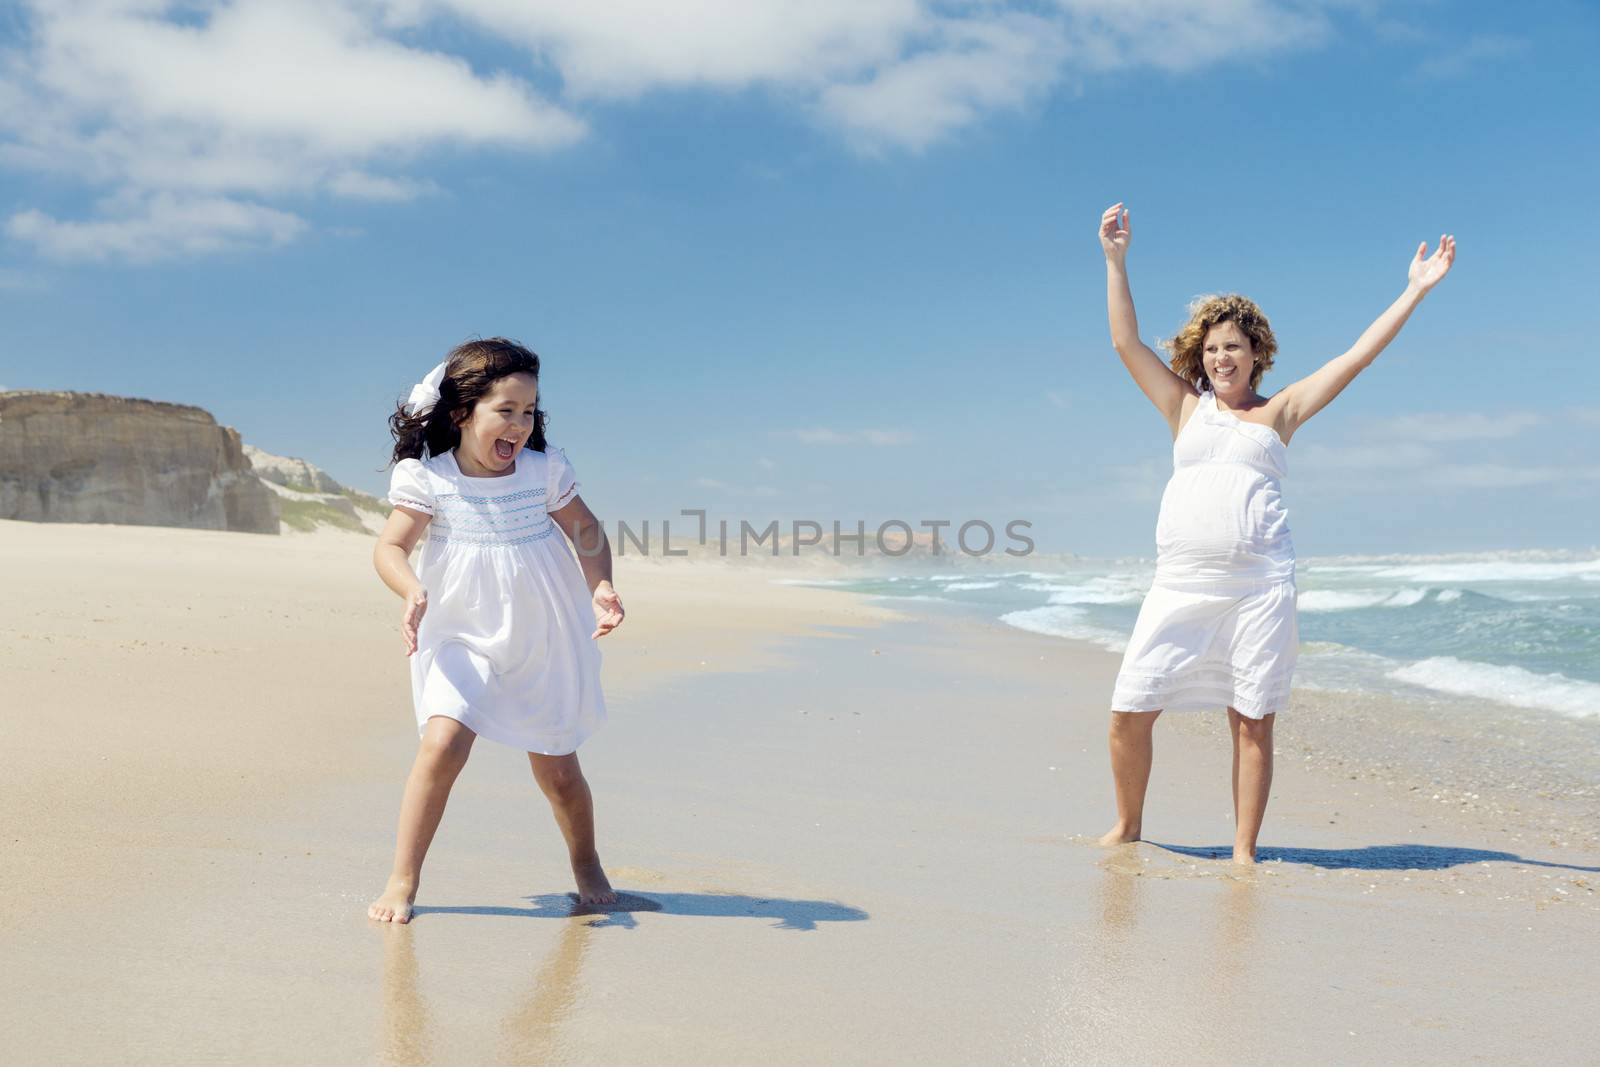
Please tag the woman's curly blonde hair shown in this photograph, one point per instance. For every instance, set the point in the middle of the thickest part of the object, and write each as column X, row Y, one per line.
column 1209, row 311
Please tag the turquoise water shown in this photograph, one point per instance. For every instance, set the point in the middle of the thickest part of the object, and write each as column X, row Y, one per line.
column 1519, row 628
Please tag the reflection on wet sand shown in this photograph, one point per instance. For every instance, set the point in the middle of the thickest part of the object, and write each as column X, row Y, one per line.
column 532, row 1033
column 1123, row 988
column 529, row 1034
column 1234, row 931
column 404, row 1036
column 1092, row 967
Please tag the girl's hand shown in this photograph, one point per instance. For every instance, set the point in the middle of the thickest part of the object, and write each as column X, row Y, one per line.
column 1427, row 273
column 411, row 617
column 1116, row 231
column 607, row 610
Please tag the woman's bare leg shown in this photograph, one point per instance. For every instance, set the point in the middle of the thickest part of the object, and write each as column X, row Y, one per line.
column 573, row 805
column 1252, row 780
column 1131, row 752
column 443, row 752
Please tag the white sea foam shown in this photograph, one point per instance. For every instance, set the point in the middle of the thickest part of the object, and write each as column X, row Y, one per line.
column 1064, row 621
column 1111, row 589
column 1331, row 665
column 819, row 582
column 953, row 586
column 1509, row 685
column 1494, row 570
column 1356, row 599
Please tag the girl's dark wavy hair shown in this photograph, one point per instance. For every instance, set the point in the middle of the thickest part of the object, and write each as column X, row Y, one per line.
column 471, row 369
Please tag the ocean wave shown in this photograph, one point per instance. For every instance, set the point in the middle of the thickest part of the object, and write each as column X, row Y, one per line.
column 954, row 586
column 1063, row 621
column 1508, row 685
column 1493, row 570
column 1111, row 589
column 818, row 582
column 1356, row 599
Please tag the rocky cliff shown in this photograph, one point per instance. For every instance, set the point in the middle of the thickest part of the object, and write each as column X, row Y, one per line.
column 290, row 472
column 308, row 498
column 87, row 457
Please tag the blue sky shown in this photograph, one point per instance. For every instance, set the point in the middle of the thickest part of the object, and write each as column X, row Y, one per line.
column 828, row 262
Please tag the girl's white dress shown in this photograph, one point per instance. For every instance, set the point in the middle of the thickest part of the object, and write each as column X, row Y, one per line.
column 504, row 647
column 1218, row 628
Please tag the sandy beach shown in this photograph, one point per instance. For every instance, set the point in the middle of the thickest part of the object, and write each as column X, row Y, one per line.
column 844, row 834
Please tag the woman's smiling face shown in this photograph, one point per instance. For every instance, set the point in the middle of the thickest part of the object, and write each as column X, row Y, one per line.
column 499, row 424
column 1228, row 358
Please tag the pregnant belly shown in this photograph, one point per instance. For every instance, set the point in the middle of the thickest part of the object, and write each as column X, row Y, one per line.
column 1223, row 520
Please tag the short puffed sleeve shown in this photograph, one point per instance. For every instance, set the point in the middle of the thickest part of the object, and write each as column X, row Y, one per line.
column 563, row 480
column 409, row 488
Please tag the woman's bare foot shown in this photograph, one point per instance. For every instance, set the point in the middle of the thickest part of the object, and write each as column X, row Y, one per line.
column 394, row 906
column 1120, row 834
column 593, row 885
column 1245, row 857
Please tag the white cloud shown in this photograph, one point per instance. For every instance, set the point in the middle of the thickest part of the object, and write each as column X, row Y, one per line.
column 1481, row 48
column 1439, row 427
column 1185, row 35
column 1509, row 475
column 19, row 281
column 972, row 67
column 359, row 185
column 1377, row 452
column 174, row 109
column 624, row 48
column 161, row 226
column 1425, row 453
column 736, row 490
column 876, row 438
column 193, row 122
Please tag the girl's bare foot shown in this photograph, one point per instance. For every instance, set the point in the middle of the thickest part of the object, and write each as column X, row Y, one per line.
column 394, row 906
column 593, row 885
column 1120, row 834
column 1243, row 856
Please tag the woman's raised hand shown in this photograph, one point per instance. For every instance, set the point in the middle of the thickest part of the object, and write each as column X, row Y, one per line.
column 1116, row 230
column 1427, row 273
column 411, row 617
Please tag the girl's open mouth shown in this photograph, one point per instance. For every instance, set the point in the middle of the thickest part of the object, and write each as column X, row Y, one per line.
column 504, row 449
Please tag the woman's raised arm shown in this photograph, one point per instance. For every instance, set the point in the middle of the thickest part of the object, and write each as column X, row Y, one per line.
column 1164, row 388
column 1309, row 395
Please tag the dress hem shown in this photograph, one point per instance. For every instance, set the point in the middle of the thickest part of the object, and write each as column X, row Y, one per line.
column 566, row 746
column 1181, row 705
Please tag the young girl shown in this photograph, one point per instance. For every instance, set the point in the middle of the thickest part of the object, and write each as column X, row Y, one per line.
column 497, row 618
column 1218, row 628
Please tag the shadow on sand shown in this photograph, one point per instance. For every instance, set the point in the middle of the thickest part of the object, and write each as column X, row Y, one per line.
column 787, row 914
column 1373, row 857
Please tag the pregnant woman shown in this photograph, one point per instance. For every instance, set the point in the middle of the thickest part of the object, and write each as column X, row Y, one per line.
column 1218, row 627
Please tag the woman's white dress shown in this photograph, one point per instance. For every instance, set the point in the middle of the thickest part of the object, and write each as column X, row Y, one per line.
column 1218, row 628
column 504, row 647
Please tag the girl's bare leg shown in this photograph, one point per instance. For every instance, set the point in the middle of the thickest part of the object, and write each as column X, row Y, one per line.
column 1252, row 780
column 443, row 752
column 570, row 800
column 1131, row 752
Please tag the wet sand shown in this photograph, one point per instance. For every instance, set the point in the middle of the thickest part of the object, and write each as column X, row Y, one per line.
column 844, row 834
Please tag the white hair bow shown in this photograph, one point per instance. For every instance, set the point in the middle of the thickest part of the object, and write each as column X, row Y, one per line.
column 425, row 393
